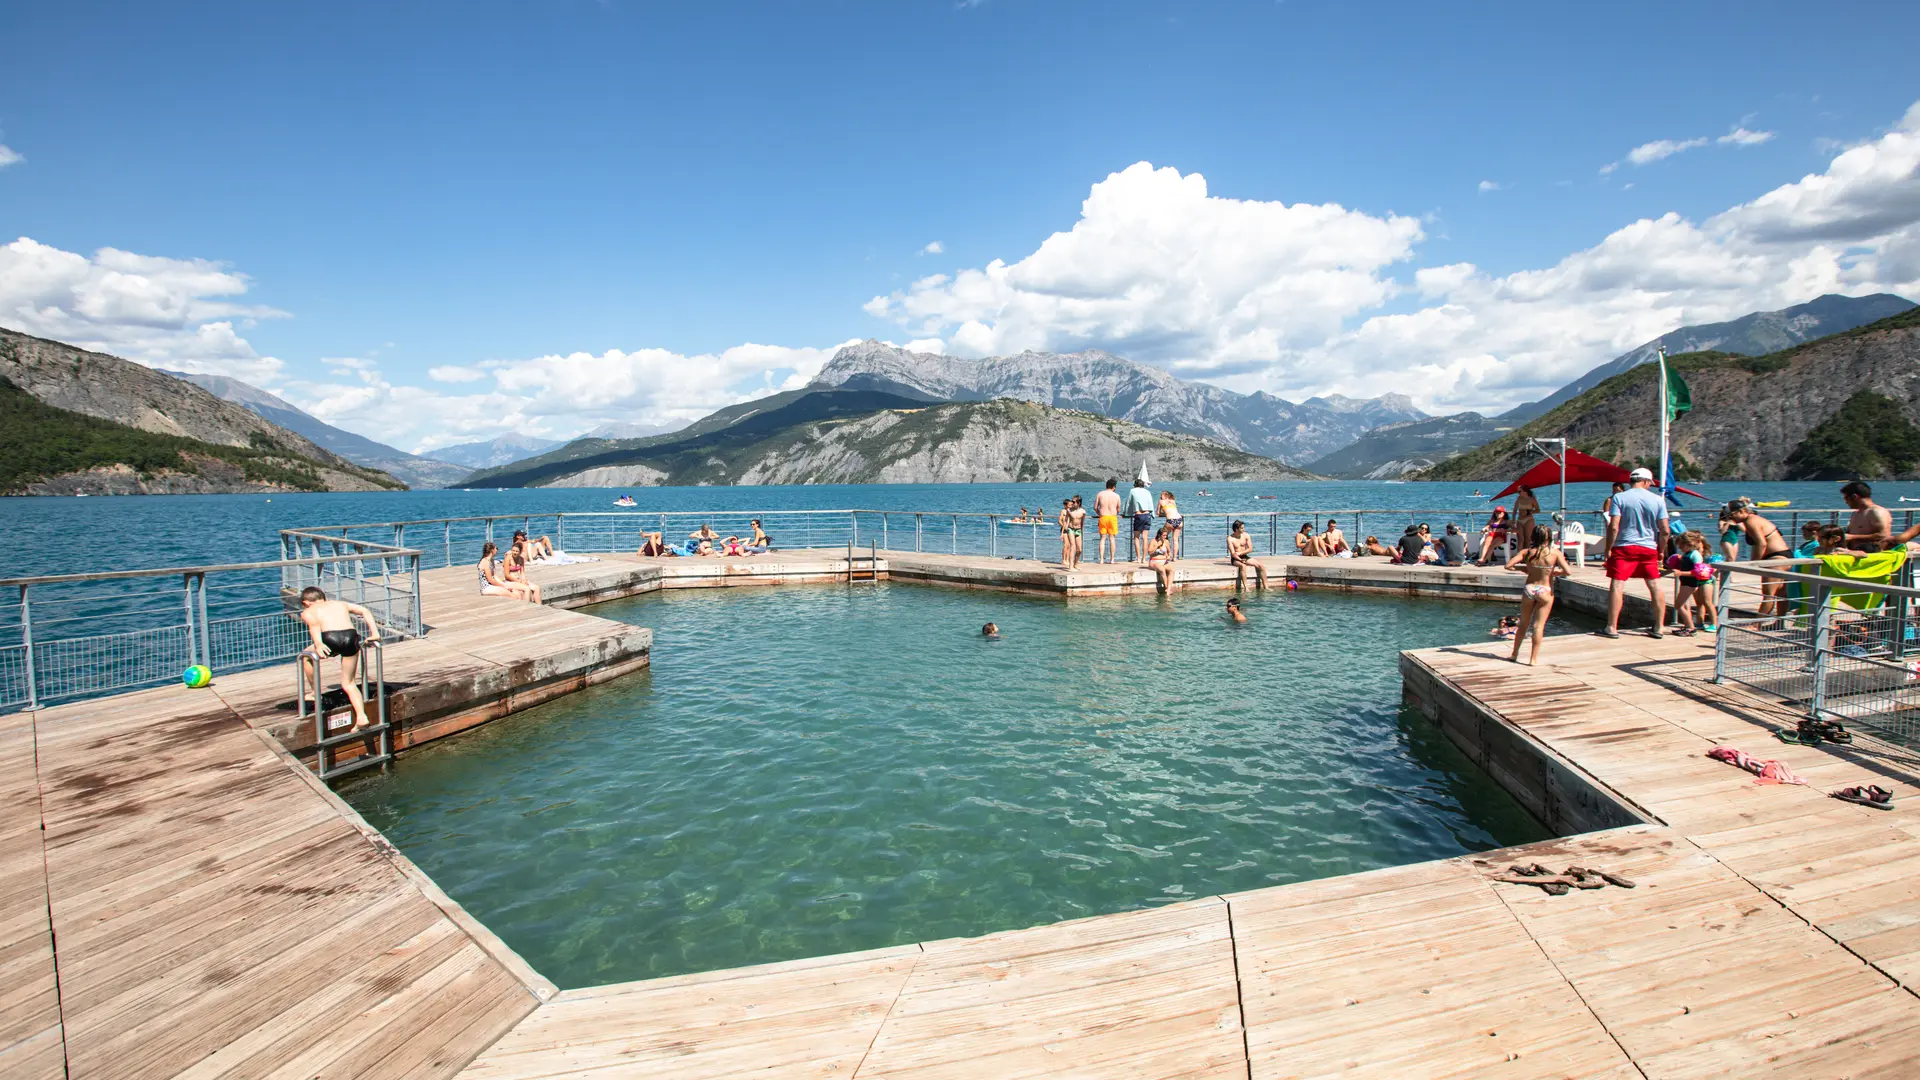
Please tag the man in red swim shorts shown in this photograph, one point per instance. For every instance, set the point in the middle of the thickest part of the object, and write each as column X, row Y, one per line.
column 1636, row 540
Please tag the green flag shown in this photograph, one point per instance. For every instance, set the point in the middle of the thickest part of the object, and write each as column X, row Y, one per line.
column 1679, row 399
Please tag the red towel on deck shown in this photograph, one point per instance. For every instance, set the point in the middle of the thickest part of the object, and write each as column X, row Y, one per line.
column 1765, row 772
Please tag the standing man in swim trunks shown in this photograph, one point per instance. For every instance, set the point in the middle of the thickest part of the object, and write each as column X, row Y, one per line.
column 330, row 624
column 1870, row 528
column 1077, row 525
column 1106, row 509
column 1636, row 538
column 1140, row 505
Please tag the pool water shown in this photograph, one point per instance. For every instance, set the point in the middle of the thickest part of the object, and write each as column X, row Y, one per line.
column 809, row 770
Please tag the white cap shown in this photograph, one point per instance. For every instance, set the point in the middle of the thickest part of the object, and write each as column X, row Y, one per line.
column 1640, row 474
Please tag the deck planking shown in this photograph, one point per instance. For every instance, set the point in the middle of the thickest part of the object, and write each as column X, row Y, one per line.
column 218, row 913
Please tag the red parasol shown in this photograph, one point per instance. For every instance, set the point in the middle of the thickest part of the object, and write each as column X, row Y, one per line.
column 1581, row 469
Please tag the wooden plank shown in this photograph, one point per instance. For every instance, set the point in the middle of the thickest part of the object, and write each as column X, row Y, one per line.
column 32, row 1045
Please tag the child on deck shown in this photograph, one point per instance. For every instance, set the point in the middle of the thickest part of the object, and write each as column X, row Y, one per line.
column 1692, row 565
column 330, row 624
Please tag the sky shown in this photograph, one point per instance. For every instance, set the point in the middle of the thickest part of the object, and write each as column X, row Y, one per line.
column 434, row 223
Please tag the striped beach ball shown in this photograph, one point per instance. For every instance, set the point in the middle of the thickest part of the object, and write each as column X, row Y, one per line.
column 197, row 676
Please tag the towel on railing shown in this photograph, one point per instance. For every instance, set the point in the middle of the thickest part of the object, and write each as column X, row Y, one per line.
column 1877, row 568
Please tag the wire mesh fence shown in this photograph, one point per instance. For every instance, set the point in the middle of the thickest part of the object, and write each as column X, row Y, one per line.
column 1837, row 647
column 73, row 636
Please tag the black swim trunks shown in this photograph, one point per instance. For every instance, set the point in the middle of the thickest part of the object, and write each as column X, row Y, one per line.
column 1142, row 523
column 341, row 642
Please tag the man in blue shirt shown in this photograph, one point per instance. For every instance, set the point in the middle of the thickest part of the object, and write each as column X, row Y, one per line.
column 1636, row 541
column 1140, row 505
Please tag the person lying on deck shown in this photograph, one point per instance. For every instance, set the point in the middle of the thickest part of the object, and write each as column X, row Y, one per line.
column 1375, row 547
column 653, row 546
column 537, row 548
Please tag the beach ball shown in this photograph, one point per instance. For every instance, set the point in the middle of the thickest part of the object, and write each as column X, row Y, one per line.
column 197, row 676
column 1292, row 584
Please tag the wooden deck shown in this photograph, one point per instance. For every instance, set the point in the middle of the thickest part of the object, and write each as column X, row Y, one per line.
column 179, row 897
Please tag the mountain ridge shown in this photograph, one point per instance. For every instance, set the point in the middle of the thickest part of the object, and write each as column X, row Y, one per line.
column 1096, row 381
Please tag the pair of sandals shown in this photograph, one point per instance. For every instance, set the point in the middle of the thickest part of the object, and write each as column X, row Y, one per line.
column 1814, row 732
column 1866, row 795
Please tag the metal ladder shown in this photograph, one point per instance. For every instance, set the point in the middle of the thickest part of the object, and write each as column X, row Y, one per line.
column 868, row 572
column 374, row 691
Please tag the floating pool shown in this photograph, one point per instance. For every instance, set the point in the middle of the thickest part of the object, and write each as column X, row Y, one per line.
column 810, row 770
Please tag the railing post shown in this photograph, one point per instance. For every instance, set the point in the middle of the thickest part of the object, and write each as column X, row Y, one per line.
column 419, row 628
column 26, row 639
column 883, row 531
column 449, row 539
column 856, row 527
column 919, row 533
column 186, row 582
column 956, row 534
column 206, row 627
column 1822, row 624
column 1720, row 606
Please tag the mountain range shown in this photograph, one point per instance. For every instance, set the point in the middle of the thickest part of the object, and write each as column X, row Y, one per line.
column 1846, row 405
column 81, row 421
column 1100, row 382
column 1400, row 449
column 492, row 453
column 835, row 435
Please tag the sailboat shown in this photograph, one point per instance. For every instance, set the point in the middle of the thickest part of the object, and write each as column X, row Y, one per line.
column 1144, row 478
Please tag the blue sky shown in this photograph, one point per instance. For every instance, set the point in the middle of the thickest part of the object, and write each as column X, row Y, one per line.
column 440, row 186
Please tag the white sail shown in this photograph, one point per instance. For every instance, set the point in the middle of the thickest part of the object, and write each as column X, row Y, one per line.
column 1144, row 478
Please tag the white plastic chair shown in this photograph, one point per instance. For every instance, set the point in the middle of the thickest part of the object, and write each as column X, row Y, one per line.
column 1575, row 536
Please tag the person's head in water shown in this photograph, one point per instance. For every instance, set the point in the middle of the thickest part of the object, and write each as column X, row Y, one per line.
column 990, row 630
column 312, row 595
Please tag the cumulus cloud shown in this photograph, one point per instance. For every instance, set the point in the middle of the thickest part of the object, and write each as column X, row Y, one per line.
column 1648, row 153
column 180, row 313
column 934, row 247
column 558, row 395
column 10, row 156
column 1289, row 298
column 1488, row 185
column 1159, row 269
column 1740, row 136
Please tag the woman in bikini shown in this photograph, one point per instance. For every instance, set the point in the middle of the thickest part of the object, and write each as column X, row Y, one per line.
column 1764, row 540
column 760, row 537
column 1308, row 543
column 1494, row 535
column 492, row 584
column 1542, row 561
column 1160, row 557
column 1068, row 540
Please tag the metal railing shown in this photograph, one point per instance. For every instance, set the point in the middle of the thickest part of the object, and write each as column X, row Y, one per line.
column 1839, row 648
column 457, row 541
column 70, row 636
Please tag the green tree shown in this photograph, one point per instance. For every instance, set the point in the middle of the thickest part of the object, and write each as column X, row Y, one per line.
column 1868, row 437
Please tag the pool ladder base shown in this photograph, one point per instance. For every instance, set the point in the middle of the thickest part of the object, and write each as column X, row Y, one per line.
column 863, row 567
column 373, row 690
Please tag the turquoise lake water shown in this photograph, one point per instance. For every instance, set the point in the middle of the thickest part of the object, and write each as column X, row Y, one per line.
column 808, row 770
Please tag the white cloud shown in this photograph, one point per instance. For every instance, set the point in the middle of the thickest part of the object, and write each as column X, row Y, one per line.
column 454, row 373
column 1648, row 153
column 1488, row 185
column 1158, row 269
column 1740, row 136
column 1287, row 298
column 10, row 156
column 934, row 247
column 178, row 313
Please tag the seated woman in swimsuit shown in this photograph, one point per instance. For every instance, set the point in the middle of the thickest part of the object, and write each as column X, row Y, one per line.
column 493, row 584
column 1542, row 561
column 1306, row 541
column 1495, row 534
column 536, row 548
column 1160, row 557
column 760, row 539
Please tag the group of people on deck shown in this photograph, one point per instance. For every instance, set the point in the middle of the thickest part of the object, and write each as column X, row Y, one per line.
column 704, row 541
column 1157, row 549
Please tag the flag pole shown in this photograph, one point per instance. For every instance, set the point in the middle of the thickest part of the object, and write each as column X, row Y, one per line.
column 1666, row 451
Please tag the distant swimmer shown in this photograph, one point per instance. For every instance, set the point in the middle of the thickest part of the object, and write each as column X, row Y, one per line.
column 990, row 631
column 1233, row 610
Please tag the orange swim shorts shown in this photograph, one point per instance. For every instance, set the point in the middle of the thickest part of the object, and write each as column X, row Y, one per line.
column 1109, row 525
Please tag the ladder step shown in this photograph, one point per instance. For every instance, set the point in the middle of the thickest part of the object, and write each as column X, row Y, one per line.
column 355, row 765
column 351, row 735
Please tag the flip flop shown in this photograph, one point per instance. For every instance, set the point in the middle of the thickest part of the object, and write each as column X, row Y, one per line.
column 1866, row 795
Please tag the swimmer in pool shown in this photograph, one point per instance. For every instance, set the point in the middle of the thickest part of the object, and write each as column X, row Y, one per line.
column 991, row 631
column 1233, row 610
column 330, row 624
